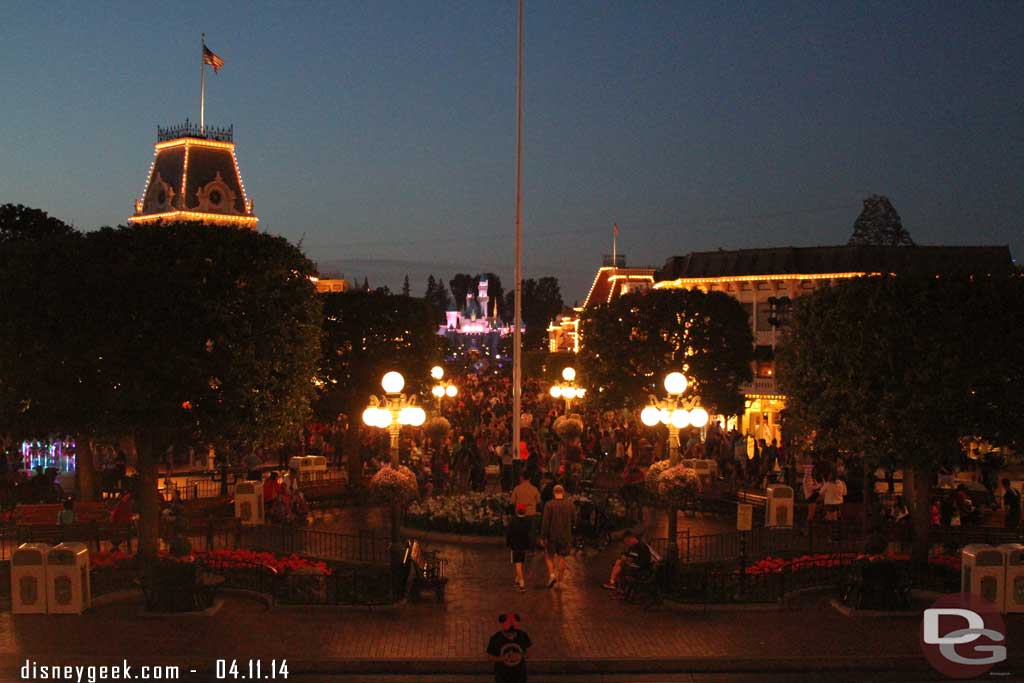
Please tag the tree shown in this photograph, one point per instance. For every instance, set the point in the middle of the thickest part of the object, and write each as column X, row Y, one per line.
column 542, row 302
column 436, row 297
column 461, row 285
column 366, row 334
column 184, row 333
column 19, row 222
column 898, row 369
column 405, row 285
column 629, row 345
column 879, row 225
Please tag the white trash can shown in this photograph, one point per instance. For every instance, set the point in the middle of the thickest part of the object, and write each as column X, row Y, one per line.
column 983, row 573
column 1013, row 601
column 249, row 502
column 780, row 506
column 28, row 578
column 67, row 578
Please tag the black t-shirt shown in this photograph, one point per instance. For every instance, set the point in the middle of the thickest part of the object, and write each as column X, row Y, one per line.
column 639, row 555
column 512, row 650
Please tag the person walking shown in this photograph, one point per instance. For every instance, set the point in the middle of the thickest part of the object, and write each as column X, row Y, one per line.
column 556, row 534
column 507, row 649
column 1011, row 504
column 519, row 539
column 526, row 494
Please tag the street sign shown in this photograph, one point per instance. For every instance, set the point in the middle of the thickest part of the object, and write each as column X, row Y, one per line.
column 744, row 517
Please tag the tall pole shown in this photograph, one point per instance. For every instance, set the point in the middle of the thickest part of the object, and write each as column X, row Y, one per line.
column 615, row 238
column 202, row 86
column 517, row 342
column 394, row 430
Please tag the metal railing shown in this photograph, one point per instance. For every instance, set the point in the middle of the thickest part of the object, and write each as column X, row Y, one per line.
column 193, row 130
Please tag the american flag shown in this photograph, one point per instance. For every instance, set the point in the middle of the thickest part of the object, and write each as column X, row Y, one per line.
column 213, row 60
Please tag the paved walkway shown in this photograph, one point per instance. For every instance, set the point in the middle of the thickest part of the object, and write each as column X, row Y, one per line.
column 577, row 628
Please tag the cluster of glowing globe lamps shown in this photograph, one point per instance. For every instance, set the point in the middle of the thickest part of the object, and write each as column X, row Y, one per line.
column 568, row 390
column 393, row 410
column 442, row 389
column 671, row 413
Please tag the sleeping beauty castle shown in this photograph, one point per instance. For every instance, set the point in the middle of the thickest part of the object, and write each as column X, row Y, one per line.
column 472, row 327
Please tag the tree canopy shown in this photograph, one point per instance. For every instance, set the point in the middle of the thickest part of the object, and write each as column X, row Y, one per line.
column 437, row 298
column 899, row 369
column 170, row 333
column 19, row 222
column 542, row 302
column 629, row 345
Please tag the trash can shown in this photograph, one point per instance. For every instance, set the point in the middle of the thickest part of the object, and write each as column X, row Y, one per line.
column 1014, row 599
column 296, row 462
column 28, row 578
column 780, row 506
column 984, row 573
column 67, row 578
column 249, row 502
column 315, row 469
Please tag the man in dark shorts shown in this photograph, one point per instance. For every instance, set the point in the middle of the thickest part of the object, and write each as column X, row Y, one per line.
column 507, row 649
column 556, row 533
column 636, row 559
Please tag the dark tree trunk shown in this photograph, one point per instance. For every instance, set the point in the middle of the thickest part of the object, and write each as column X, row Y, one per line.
column 920, row 479
column 85, row 469
column 149, row 498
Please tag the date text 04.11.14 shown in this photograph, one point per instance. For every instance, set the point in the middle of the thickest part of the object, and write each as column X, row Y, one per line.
column 251, row 669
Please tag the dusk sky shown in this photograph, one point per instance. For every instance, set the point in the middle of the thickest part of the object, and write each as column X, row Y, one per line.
column 382, row 134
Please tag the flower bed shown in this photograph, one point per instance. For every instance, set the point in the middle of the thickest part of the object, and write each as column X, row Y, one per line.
column 282, row 564
column 484, row 514
column 776, row 565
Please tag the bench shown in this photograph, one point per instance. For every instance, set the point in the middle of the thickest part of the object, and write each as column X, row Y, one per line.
column 428, row 571
column 86, row 533
column 86, row 512
column 644, row 585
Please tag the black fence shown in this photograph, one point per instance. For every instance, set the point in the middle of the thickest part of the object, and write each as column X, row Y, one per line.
column 322, row 545
column 728, row 583
column 312, row 484
column 829, row 538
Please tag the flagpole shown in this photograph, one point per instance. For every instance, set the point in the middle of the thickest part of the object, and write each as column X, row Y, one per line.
column 615, row 235
column 517, row 346
column 202, row 87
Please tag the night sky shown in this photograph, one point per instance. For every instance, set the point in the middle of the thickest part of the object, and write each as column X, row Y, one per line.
column 382, row 133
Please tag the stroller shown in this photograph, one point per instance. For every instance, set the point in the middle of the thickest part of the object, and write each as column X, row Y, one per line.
column 591, row 527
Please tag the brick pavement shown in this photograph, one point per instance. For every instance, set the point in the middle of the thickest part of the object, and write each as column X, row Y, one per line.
column 577, row 627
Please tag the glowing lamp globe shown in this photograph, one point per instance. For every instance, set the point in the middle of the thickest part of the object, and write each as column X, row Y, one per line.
column 675, row 383
column 580, row 393
column 437, row 372
column 417, row 416
column 680, row 419
column 568, row 374
column 569, row 393
column 370, row 416
column 438, row 391
column 698, row 417
column 556, row 392
column 650, row 416
column 393, row 382
column 451, row 391
column 405, row 416
column 664, row 416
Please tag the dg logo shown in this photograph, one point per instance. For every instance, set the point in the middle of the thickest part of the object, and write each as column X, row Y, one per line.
column 962, row 636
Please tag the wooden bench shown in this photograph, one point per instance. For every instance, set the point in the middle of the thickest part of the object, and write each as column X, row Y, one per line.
column 86, row 512
column 428, row 571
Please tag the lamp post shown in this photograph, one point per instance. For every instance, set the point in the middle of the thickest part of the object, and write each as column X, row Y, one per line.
column 567, row 389
column 392, row 410
column 675, row 413
column 442, row 389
